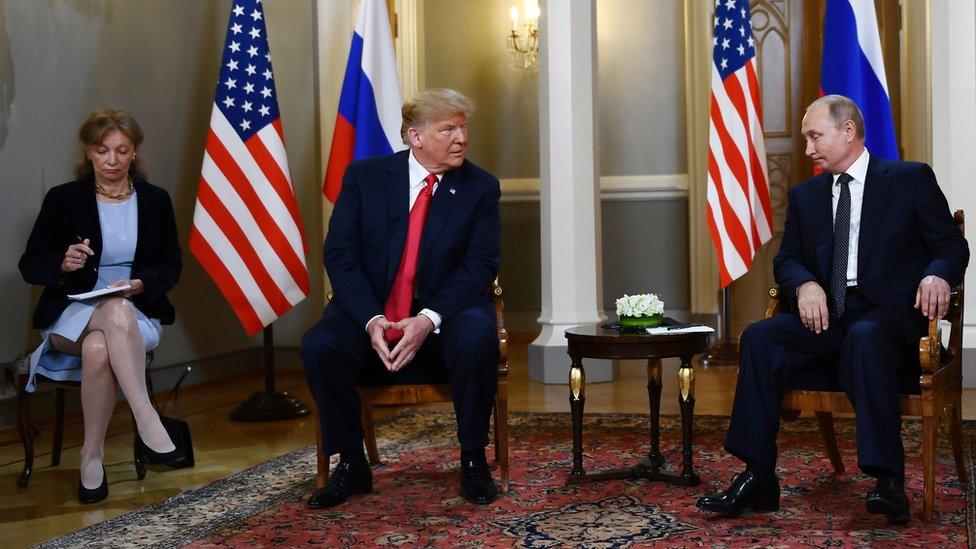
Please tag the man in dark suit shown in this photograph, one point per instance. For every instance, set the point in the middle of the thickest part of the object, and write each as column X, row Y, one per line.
column 869, row 252
column 412, row 250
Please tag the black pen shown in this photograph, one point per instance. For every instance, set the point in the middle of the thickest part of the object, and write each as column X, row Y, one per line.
column 682, row 327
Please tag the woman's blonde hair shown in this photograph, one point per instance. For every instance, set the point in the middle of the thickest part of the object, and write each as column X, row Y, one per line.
column 93, row 131
column 431, row 105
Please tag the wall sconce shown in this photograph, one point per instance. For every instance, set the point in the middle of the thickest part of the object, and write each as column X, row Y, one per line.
column 523, row 40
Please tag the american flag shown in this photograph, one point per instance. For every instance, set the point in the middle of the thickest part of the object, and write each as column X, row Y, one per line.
column 739, row 214
column 246, row 231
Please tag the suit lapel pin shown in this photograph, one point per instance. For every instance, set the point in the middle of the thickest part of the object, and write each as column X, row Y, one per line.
column 452, row 191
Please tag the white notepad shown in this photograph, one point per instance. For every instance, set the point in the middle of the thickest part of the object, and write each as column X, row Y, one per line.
column 99, row 293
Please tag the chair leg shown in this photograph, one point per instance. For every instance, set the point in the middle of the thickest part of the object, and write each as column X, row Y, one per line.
column 501, row 438
column 826, row 422
column 321, row 463
column 494, row 414
column 954, row 421
column 369, row 433
column 24, row 427
column 930, row 431
column 58, row 427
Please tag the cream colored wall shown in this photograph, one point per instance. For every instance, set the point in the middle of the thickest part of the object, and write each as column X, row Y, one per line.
column 641, row 84
column 60, row 60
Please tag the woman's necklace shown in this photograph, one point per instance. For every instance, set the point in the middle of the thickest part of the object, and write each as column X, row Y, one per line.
column 119, row 196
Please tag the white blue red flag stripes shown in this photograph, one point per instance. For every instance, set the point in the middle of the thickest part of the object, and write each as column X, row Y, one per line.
column 246, row 231
column 739, row 213
column 368, row 123
column 854, row 67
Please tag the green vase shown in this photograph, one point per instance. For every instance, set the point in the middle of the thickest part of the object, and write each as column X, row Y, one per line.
column 638, row 323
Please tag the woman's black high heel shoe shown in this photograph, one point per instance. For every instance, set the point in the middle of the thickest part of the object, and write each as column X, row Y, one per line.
column 156, row 461
column 93, row 495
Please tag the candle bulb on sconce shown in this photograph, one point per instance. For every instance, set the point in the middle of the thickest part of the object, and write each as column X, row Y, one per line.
column 522, row 41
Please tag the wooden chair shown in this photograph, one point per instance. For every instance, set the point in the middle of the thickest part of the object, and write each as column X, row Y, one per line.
column 27, row 430
column 939, row 396
column 401, row 395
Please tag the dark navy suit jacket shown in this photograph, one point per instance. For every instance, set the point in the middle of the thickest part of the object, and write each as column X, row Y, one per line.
column 906, row 233
column 459, row 250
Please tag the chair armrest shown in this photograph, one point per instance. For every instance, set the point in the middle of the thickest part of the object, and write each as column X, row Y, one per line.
column 496, row 298
column 930, row 346
column 773, row 307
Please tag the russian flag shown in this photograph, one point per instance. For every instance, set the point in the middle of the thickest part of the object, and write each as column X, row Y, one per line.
column 368, row 123
column 853, row 67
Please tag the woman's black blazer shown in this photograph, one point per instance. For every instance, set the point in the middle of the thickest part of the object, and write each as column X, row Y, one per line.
column 68, row 215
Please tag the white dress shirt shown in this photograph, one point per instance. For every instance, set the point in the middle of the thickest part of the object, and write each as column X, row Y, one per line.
column 858, row 171
column 418, row 174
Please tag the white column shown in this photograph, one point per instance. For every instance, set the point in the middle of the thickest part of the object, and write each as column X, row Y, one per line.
column 953, row 68
column 572, row 278
column 409, row 42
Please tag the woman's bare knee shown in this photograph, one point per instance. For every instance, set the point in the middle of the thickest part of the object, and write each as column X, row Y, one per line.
column 114, row 314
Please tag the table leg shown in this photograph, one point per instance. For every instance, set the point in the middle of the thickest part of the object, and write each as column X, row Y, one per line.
column 577, row 396
column 686, row 402
column 654, row 397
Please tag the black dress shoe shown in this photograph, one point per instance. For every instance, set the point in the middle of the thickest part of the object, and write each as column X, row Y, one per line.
column 346, row 479
column 477, row 486
column 93, row 495
column 159, row 461
column 749, row 490
column 888, row 498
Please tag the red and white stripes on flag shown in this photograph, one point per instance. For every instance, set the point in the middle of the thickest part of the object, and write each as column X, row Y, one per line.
column 739, row 211
column 247, row 232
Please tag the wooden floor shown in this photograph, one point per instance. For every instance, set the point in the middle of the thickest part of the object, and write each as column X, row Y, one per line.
column 48, row 506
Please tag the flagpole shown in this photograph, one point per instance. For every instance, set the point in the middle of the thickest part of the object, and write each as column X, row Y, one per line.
column 724, row 352
column 269, row 405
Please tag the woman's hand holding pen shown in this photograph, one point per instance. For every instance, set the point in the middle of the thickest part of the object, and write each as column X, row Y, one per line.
column 76, row 255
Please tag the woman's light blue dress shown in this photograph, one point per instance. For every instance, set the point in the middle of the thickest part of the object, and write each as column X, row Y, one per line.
column 120, row 231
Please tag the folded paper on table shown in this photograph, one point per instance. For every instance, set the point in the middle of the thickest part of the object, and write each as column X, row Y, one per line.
column 679, row 329
column 99, row 293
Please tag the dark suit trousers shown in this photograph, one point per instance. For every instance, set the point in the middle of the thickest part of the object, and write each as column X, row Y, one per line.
column 336, row 353
column 869, row 348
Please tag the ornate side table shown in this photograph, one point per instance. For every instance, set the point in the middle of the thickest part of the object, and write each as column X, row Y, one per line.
column 599, row 341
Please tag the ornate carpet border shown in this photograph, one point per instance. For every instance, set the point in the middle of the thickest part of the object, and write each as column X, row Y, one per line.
column 187, row 516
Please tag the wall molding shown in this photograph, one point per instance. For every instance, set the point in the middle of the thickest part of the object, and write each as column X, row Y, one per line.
column 612, row 188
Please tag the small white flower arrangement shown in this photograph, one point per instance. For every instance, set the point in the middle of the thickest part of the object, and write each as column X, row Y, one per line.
column 640, row 305
column 640, row 311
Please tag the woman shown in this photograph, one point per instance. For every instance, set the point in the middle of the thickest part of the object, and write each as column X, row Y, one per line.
column 108, row 228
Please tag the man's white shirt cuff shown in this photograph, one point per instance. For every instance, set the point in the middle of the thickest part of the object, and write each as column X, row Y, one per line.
column 434, row 317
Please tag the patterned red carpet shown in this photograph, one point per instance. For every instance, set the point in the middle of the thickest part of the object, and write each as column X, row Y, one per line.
column 416, row 500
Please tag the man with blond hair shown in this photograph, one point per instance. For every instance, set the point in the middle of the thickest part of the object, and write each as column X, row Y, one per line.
column 869, row 252
column 412, row 250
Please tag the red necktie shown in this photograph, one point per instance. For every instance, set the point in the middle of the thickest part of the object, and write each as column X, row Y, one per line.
column 401, row 295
